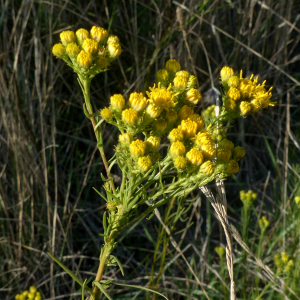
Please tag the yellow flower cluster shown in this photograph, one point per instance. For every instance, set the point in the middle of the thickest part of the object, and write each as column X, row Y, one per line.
column 263, row 223
column 248, row 198
column 209, row 113
column 87, row 52
column 283, row 262
column 244, row 95
column 31, row 294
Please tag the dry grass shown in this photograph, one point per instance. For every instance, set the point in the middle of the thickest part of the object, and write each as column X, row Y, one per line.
column 48, row 163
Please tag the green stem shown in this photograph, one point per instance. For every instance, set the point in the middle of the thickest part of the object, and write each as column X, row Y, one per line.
column 86, row 82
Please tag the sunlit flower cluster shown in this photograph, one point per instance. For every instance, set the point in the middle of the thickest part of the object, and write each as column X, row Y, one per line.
column 283, row 262
column 31, row 294
column 244, row 96
column 88, row 53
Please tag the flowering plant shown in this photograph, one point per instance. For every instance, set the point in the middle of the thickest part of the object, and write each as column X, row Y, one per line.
column 152, row 175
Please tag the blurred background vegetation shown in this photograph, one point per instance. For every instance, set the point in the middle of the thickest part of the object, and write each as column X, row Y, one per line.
column 49, row 162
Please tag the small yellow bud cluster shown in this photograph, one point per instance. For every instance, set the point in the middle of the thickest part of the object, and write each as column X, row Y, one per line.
column 137, row 148
column 106, row 114
column 263, row 223
column 173, row 66
column 31, row 294
column 193, row 96
column 209, row 113
column 220, row 251
column 137, row 101
column 185, row 112
column 248, row 198
column 297, row 200
column 88, row 51
column 171, row 116
column 218, row 134
column 125, row 138
column 152, row 143
column 144, row 163
column 159, row 126
column 283, row 262
column 243, row 95
column 194, row 157
column 205, row 142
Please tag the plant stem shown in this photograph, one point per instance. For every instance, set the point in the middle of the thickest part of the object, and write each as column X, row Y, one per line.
column 98, row 132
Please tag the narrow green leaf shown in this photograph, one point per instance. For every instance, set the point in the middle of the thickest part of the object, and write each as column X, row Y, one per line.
column 101, row 288
column 98, row 124
column 86, row 112
column 141, row 288
column 119, row 264
column 104, row 223
column 100, row 194
column 77, row 279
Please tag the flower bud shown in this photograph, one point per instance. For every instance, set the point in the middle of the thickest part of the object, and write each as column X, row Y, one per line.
column 113, row 39
column 192, row 82
column 229, row 104
column 111, row 206
column 297, row 200
column 220, row 251
column 84, row 59
column 152, row 143
column 173, row 65
column 226, row 144
column 59, row 50
column 232, row 167
column 180, row 163
column 185, row 112
column 223, row 155
column 226, row 73
column 245, row 108
column 102, row 62
column 137, row 148
column 90, row 46
column 137, row 101
column 207, row 168
column 176, row 134
column 189, row 128
column 81, row 35
column 199, row 120
column 153, row 111
column 114, row 49
column 238, row 152
column 125, row 138
column 117, row 102
column 106, row 113
column 183, row 73
column 171, row 116
column 195, row 157
column 234, row 94
column 177, row 149
column 162, row 76
column 160, row 126
column 233, row 81
column 180, row 83
column 130, row 116
column 72, row 50
column 98, row 34
column 144, row 163
column 193, row 96
column 67, row 37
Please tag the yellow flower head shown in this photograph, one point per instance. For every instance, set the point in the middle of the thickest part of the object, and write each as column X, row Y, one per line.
column 246, row 87
column 33, row 289
column 153, row 111
column 176, row 134
column 199, row 120
column 72, row 49
column 204, row 138
column 160, row 125
column 183, row 73
column 229, row 104
column 192, row 82
column 113, row 39
column 106, row 113
column 111, row 206
column 234, row 94
column 162, row 75
column 193, row 96
column 238, row 152
column 59, row 50
column 173, row 65
column 130, row 116
column 137, row 148
column 38, row 298
column 263, row 97
column 209, row 112
column 84, row 59
column 81, row 35
column 117, row 102
column 98, row 34
column 232, row 167
column 31, row 296
column 226, row 144
column 152, row 143
column 171, row 116
column 185, row 112
column 220, row 251
column 67, row 37
column 180, row 82
column 114, row 49
column 263, row 223
column 284, row 257
column 208, row 151
column 180, row 163
column 177, row 149
column 297, row 200
column 102, row 62
column 233, row 81
column 25, row 293
column 144, row 163
column 90, row 46
column 188, row 128
column 245, row 108
column 256, row 104
column 207, row 168
column 137, row 101
column 162, row 97
column 226, row 73
column 223, row 155
column 195, row 157
column 125, row 138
